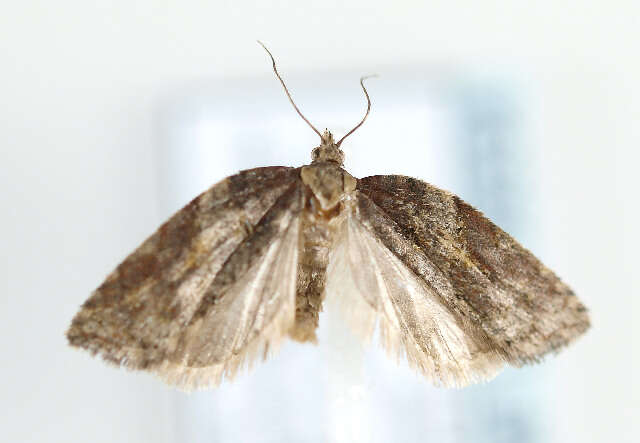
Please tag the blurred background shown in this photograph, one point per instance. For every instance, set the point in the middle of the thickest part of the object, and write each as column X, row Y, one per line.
column 115, row 114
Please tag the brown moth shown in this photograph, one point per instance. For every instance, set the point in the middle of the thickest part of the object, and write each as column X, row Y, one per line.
column 249, row 262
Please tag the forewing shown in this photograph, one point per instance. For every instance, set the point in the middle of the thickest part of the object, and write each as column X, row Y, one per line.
column 249, row 307
column 137, row 316
column 524, row 309
column 376, row 289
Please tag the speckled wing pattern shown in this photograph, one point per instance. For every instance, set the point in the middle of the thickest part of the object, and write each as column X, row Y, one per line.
column 212, row 289
column 249, row 262
column 455, row 294
column 375, row 289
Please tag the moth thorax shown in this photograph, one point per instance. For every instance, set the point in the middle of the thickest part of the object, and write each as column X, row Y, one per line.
column 329, row 183
column 328, row 151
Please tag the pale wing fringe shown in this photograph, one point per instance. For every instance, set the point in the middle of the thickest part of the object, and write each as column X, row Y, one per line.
column 525, row 310
column 136, row 317
column 263, row 346
column 248, row 324
column 375, row 289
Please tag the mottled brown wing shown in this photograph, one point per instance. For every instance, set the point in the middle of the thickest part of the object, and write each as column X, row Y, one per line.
column 145, row 314
column 375, row 288
column 249, row 307
column 483, row 276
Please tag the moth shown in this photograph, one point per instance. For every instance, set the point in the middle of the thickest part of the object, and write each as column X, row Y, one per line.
column 249, row 262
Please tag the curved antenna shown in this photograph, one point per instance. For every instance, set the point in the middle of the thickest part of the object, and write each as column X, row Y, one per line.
column 362, row 79
column 287, row 91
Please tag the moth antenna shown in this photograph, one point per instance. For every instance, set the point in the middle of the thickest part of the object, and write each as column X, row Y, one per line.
column 362, row 79
column 287, row 90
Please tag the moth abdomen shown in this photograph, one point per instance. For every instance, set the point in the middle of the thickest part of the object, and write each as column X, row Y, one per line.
column 313, row 258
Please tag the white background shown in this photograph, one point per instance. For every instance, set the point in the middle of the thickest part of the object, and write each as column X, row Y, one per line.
column 83, row 87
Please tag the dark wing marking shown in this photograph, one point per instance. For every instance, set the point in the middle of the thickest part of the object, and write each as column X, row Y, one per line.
column 137, row 316
column 524, row 309
column 248, row 308
column 374, row 286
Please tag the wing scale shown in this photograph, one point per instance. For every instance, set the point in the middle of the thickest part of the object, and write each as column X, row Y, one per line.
column 149, row 311
column 414, row 321
column 483, row 275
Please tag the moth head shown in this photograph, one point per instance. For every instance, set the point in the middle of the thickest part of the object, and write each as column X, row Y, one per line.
column 328, row 151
